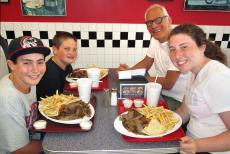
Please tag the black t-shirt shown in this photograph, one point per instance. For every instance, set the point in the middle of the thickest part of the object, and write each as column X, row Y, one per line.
column 53, row 79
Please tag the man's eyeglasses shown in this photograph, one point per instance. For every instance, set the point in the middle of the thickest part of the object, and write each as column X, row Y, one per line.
column 158, row 20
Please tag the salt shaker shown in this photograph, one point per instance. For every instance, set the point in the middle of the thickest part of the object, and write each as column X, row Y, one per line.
column 106, row 97
column 114, row 97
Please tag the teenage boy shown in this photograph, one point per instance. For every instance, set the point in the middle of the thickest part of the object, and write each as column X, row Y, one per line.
column 18, row 99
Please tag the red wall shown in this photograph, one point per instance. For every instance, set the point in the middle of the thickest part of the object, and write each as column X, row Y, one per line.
column 115, row 11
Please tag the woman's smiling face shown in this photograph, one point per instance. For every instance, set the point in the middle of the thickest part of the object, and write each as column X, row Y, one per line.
column 185, row 54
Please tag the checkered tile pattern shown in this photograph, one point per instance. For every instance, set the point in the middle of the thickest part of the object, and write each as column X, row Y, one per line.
column 91, row 37
column 122, row 39
column 105, row 44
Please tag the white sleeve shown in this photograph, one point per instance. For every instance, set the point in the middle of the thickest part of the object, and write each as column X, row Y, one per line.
column 150, row 51
column 217, row 92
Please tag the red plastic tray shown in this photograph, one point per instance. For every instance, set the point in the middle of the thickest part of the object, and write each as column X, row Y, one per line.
column 102, row 85
column 57, row 127
column 170, row 137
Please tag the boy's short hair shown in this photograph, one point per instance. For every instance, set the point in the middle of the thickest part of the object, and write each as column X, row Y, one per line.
column 60, row 36
column 26, row 45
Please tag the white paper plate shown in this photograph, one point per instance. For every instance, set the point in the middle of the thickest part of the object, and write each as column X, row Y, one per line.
column 76, row 121
column 121, row 129
column 69, row 79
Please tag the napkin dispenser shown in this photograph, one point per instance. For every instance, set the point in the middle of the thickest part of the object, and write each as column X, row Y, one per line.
column 132, row 88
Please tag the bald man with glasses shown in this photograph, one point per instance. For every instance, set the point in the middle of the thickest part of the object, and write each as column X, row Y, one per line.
column 159, row 25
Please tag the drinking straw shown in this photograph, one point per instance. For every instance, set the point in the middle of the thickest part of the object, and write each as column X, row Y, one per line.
column 156, row 78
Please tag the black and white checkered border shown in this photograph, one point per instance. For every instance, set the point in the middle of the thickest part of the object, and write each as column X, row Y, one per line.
column 114, row 42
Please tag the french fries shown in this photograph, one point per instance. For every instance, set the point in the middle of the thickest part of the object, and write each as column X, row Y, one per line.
column 103, row 72
column 164, row 117
column 51, row 105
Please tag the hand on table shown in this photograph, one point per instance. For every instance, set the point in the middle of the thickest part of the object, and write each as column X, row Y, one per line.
column 123, row 67
column 188, row 145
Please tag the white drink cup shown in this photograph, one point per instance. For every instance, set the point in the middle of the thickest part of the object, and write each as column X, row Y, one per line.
column 153, row 93
column 84, row 89
column 94, row 75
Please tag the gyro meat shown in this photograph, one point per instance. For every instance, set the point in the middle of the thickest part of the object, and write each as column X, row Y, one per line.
column 75, row 110
column 78, row 73
column 134, row 122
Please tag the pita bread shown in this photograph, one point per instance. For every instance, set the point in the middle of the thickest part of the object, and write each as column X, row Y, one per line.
column 154, row 128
